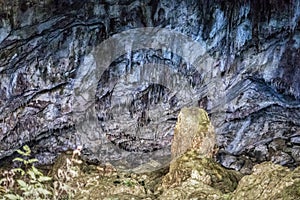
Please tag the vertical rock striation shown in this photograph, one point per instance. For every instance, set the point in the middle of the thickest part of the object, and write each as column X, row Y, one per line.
column 247, row 77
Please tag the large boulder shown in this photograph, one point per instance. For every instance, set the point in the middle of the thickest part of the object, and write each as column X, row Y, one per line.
column 269, row 181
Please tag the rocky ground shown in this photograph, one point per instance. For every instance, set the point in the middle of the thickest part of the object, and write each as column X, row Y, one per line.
column 188, row 177
column 192, row 174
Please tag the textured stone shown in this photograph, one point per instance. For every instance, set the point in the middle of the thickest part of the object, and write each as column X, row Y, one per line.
column 269, row 181
column 247, row 76
column 193, row 131
column 190, row 169
column 277, row 144
column 296, row 154
column 192, row 191
column 295, row 140
column 281, row 158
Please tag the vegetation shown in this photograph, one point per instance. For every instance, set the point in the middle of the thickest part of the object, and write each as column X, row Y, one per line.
column 32, row 183
column 28, row 182
column 188, row 177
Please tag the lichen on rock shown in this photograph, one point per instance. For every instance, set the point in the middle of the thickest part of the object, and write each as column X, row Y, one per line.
column 193, row 131
column 269, row 181
column 193, row 172
column 190, row 170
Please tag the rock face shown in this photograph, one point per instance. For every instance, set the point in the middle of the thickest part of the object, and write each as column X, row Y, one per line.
column 193, row 130
column 244, row 72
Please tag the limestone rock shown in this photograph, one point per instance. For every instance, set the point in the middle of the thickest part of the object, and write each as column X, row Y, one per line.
column 192, row 191
column 190, row 169
column 111, row 188
column 269, row 181
column 247, row 76
column 193, row 131
column 189, row 177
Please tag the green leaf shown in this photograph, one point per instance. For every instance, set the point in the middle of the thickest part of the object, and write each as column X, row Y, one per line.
column 22, row 183
column 36, row 171
column 31, row 174
column 44, row 178
column 44, row 191
column 33, row 160
column 21, row 152
column 27, row 149
column 19, row 170
column 19, row 159
column 24, row 188
column 28, row 193
column 12, row 197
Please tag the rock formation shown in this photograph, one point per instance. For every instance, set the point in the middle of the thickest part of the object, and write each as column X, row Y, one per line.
column 192, row 169
column 269, row 181
column 193, row 173
column 190, row 175
column 244, row 72
column 193, row 131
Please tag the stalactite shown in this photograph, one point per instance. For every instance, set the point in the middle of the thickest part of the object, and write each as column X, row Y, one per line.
column 248, row 64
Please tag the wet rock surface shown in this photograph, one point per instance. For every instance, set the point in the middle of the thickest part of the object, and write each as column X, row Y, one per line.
column 247, row 78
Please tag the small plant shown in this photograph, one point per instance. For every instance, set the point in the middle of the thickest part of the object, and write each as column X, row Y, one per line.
column 32, row 182
column 66, row 174
column 128, row 183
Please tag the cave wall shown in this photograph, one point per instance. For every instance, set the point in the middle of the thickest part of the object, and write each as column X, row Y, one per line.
column 250, row 47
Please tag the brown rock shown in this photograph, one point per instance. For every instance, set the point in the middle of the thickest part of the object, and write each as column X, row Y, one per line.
column 193, row 131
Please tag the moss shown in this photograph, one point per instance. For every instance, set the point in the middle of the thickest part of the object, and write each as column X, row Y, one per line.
column 291, row 192
column 269, row 181
column 193, row 131
column 227, row 196
column 206, row 170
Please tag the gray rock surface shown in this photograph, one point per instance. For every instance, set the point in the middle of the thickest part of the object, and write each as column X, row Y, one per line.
column 247, row 78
